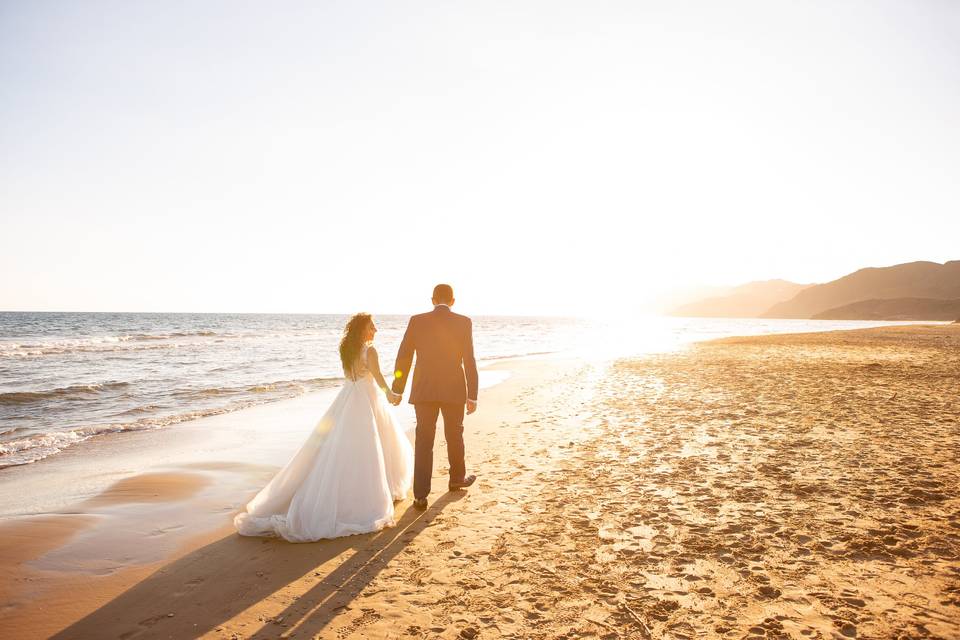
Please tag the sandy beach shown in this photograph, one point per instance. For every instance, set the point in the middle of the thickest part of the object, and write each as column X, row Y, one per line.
column 791, row 486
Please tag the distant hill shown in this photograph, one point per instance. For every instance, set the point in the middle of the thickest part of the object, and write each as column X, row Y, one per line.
column 910, row 280
column 746, row 301
column 667, row 301
column 895, row 309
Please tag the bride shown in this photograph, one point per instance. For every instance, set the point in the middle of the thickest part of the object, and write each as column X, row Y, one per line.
column 353, row 466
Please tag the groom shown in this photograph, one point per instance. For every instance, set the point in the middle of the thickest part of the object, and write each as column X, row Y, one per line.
column 444, row 380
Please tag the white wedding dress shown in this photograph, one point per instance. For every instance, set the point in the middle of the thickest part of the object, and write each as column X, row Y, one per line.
column 344, row 478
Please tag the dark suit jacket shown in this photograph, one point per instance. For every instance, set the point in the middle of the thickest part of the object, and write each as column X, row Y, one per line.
column 446, row 370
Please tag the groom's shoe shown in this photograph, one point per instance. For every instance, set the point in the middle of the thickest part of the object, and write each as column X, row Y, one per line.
column 463, row 484
column 420, row 503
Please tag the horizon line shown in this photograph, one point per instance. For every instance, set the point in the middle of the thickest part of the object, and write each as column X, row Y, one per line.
column 297, row 313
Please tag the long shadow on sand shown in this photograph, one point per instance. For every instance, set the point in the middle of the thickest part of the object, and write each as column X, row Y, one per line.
column 211, row 585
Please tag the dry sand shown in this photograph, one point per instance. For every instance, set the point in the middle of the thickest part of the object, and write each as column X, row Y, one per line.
column 797, row 486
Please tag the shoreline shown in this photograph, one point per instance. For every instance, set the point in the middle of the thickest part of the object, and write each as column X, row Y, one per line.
column 108, row 430
column 652, row 334
column 612, row 497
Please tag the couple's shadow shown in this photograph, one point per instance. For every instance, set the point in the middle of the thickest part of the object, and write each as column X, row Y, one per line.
column 215, row 583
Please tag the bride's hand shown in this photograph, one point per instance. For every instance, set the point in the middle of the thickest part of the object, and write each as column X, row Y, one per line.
column 393, row 398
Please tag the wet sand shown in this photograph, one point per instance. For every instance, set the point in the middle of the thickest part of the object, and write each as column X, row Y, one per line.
column 800, row 486
column 151, row 487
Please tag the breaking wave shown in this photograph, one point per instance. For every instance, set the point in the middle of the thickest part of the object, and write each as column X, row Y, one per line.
column 60, row 393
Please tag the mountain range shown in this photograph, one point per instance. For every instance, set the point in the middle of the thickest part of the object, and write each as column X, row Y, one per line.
column 895, row 309
column 746, row 301
column 910, row 291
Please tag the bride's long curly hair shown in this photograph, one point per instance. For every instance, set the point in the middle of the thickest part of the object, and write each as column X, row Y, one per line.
column 352, row 341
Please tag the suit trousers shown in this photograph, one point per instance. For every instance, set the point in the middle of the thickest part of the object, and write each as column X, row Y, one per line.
column 427, row 414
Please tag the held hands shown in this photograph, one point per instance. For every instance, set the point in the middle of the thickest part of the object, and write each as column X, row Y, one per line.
column 393, row 398
column 471, row 406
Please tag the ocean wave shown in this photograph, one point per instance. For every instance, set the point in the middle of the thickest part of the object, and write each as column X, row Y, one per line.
column 279, row 386
column 37, row 446
column 100, row 344
column 516, row 355
column 62, row 347
column 178, row 334
column 60, row 393
column 14, row 348
column 304, row 384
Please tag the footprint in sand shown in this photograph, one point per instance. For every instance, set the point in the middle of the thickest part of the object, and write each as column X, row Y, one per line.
column 420, row 575
column 368, row 617
column 769, row 593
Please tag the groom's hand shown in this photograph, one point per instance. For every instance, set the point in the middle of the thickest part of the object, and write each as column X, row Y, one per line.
column 471, row 406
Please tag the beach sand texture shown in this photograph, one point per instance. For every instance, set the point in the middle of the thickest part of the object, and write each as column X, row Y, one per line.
column 800, row 486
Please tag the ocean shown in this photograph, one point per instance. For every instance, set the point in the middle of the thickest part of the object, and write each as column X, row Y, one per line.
column 67, row 377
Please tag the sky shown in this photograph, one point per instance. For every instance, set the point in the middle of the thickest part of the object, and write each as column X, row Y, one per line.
column 568, row 158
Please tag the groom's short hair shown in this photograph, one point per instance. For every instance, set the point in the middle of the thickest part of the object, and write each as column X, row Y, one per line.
column 443, row 294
